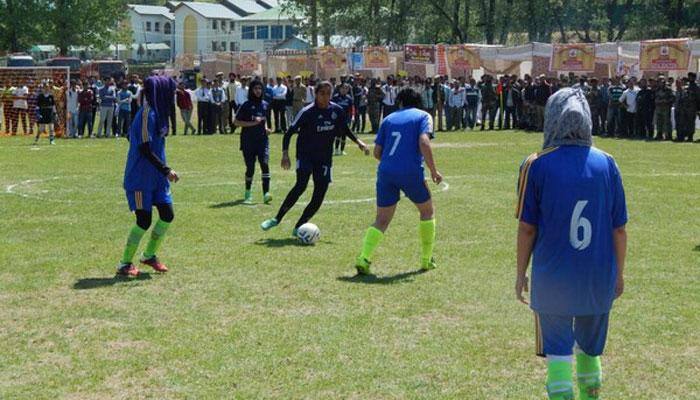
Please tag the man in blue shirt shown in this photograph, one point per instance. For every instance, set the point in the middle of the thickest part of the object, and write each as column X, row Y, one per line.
column 255, row 144
column 124, row 98
column 572, row 214
column 401, row 146
column 318, row 124
column 147, row 177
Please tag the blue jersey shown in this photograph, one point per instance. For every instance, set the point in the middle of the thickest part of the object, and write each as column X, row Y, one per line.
column 344, row 101
column 399, row 136
column 318, row 128
column 253, row 135
column 140, row 174
column 574, row 195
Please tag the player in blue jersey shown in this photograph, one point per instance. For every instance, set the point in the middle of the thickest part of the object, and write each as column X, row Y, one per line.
column 344, row 100
column 318, row 124
column 401, row 146
column 572, row 214
column 147, row 176
column 255, row 145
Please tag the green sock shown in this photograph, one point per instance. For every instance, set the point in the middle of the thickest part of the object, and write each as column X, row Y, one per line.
column 372, row 238
column 132, row 244
column 427, row 239
column 590, row 376
column 560, row 384
column 157, row 235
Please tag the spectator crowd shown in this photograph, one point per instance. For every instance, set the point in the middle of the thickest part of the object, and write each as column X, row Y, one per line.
column 647, row 108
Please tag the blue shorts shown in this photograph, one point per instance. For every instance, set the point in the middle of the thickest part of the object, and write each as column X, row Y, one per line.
column 389, row 187
column 260, row 152
column 556, row 335
column 144, row 200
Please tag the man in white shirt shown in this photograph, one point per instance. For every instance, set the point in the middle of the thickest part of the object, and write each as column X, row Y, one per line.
column 310, row 95
column 231, row 87
column 628, row 102
column 20, row 108
column 218, row 101
column 279, row 99
column 456, row 102
column 72, row 103
column 389, row 101
column 203, row 96
column 240, row 97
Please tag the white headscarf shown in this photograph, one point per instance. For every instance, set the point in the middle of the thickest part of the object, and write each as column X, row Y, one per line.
column 567, row 119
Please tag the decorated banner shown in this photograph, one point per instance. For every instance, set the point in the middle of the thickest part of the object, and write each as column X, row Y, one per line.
column 461, row 56
column 331, row 58
column 376, row 58
column 419, row 54
column 248, row 62
column 441, row 59
column 664, row 55
column 358, row 61
column 295, row 65
column 575, row 57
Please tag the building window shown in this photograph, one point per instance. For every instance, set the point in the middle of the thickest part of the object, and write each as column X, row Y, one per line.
column 233, row 46
column 214, row 24
column 247, row 32
column 213, row 46
column 157, row 27
column 263, row 32
column 148, row 26
column 289, row 31
column 166, row 28
column 276, row 32
column 223, row 46
column 231, row 26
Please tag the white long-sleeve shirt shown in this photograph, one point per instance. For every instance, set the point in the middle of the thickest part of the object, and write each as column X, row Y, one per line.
column 203, row 95
column 241, row 95
column 72, row 100
column 457, row 97
column 390, row 93
column 279, row 92
column 629, row 98
column 310, row 95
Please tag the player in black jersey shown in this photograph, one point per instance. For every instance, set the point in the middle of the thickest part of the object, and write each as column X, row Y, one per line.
column 255, row 145
column 318, row 124
column 46, row 107
column 343, row 99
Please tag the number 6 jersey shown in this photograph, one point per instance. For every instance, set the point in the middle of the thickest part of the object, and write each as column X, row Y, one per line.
column 574, row 195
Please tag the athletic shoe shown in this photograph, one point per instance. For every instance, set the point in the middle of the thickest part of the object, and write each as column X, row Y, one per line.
column 155, row 264
column 127, row 270
column 269, row 224
column 342, row 153
column 52, row 142
column 362, row 265
column 267, row 198
column 427, row 265
column 248, row 197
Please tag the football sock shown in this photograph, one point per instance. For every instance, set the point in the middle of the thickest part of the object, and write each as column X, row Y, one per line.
column 248, row 182
column 373, row 237
column 132, row 244
column 157, row 236
column 560, row 385
column 427, row 239
column 342, row 144
column 589, row 375
column 266, row 182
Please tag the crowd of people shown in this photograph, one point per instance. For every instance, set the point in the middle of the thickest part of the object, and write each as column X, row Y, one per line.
column 647, row 108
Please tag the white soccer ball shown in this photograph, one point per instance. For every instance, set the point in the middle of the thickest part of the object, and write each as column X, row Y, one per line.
column 308, row 233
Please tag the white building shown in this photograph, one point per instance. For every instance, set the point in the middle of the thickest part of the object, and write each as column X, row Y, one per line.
column 153, row 25
column 204, row 28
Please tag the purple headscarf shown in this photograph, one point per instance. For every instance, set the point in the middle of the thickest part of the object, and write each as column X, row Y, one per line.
column 160, row 95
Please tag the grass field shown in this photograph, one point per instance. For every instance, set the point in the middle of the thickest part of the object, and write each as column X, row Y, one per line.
column 251, row 315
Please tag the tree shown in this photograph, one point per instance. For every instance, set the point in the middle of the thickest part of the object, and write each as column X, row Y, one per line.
column 21, row 23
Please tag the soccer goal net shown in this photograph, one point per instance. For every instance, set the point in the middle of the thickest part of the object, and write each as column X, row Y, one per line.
column 19, row 87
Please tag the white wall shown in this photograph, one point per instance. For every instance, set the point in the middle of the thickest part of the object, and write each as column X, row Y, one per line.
column 205, row 33
column 138, row 25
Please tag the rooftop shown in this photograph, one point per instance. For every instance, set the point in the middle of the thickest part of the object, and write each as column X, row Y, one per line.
column 208, row 10
column 152, row 10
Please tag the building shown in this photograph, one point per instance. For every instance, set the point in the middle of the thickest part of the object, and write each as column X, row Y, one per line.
column 205, row 27
column 264, row 30
column 153, row 27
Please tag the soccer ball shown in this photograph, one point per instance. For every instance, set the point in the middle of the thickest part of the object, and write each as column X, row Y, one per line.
column 308, row 233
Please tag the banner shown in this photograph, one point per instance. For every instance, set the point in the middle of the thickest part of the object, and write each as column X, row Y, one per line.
column 295, row 65
column 247, row 63
column 358, row 61
column 664, row 55
column 463, row 57
column 331, row 58
column 376, row 58
column 576, row 57
column 419, row 54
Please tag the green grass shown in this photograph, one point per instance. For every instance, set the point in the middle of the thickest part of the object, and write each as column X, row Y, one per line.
column 250, row 315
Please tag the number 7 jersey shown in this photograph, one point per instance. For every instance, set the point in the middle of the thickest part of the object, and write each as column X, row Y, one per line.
column 399, row 136
column 574, row 195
